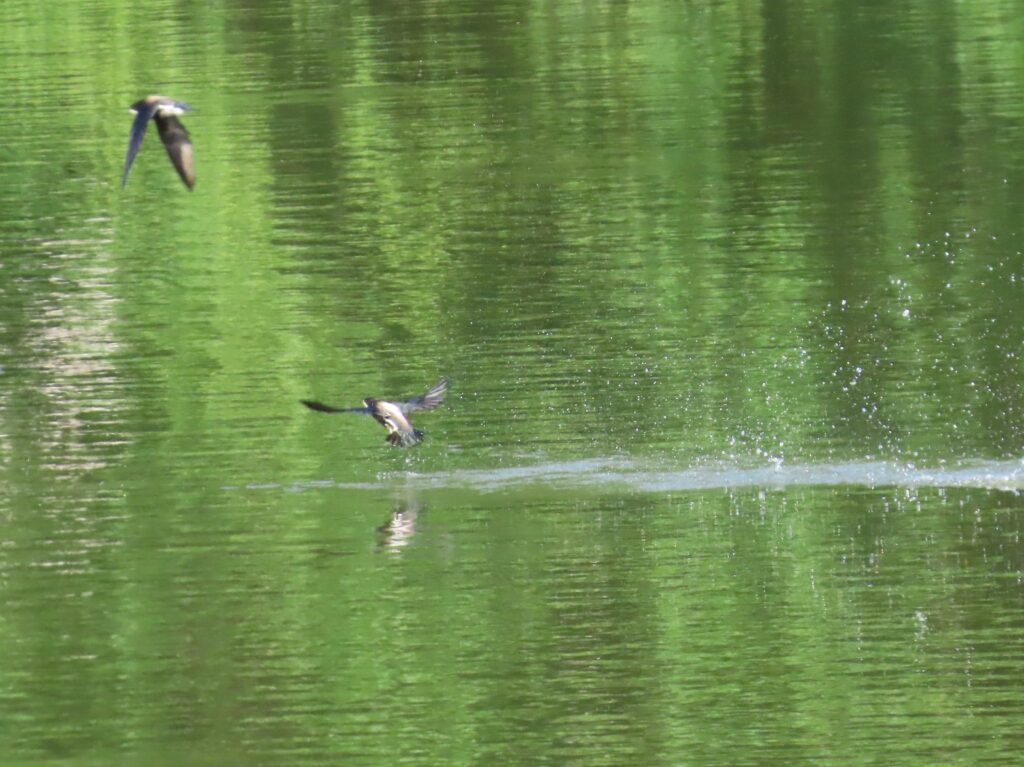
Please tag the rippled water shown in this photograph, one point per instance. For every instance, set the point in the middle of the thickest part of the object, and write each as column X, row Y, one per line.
column 516, row 623
column 616, row 474
column 730, row 470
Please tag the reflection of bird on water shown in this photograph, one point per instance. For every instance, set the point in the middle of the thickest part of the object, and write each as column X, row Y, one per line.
column 398, row 531
column 393, row 416
column 164, row 112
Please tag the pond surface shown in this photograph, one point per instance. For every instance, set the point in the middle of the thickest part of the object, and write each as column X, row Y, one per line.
column 731, row 297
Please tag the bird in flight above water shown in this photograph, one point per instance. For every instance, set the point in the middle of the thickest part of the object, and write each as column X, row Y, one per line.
column 393, row 416
column 165, row 112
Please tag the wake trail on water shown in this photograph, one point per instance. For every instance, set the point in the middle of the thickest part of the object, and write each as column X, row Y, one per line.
column 625, row 473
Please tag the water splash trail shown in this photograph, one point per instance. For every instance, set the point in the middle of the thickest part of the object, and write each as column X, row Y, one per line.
column 624, row 473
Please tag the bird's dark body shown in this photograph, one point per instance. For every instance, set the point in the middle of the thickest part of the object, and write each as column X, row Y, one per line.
column 164, row 112
column 393, row 416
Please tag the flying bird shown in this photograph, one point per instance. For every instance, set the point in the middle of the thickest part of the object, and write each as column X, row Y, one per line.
column 393, row 416
column 165, row 112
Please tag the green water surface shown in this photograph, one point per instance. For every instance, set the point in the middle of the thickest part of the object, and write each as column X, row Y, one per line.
column 731, row 296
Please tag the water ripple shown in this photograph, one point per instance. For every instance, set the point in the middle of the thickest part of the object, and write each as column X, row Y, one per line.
column 617, row 473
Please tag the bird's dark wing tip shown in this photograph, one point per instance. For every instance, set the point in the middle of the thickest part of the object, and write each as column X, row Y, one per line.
column 318, row 406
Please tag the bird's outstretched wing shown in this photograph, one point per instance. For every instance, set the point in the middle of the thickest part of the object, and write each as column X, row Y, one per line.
column 322, row 408
column 434, row 397
column 178, row 145
column 143, row 114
